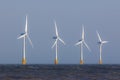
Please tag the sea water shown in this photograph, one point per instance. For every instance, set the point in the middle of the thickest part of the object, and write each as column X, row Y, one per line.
column 59, row 72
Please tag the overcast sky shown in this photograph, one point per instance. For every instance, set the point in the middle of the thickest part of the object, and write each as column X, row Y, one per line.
column 100, row 15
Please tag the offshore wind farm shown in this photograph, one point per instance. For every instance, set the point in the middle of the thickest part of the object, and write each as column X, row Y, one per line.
column 41, row 30
column 57, row 38
column 84, row 36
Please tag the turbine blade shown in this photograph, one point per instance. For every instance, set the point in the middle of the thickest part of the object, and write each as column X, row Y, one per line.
column 21, row 36
column 30, row 41
column 61, row 40
column 83, row 33
column 26, row 25
column 56, row 30
column 78, row 43
column 87, row 46
column 105, row 41
column 54, row 43
column 99, row 36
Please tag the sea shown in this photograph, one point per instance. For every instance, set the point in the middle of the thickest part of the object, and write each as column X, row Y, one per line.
column 59, row 72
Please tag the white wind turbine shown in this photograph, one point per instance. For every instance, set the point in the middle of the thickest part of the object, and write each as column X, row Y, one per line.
column 81, row 43
column 57, row 38
column 24, row 36
column 100, row 46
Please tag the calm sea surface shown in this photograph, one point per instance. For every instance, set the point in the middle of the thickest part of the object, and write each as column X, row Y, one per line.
column 60, row 72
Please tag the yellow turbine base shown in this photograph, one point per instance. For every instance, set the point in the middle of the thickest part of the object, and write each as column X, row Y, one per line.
column 23, row 61
column 56, row 61
column 100, row 61
column 81, row 62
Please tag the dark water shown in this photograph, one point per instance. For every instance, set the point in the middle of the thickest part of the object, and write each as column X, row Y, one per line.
column 60, row 72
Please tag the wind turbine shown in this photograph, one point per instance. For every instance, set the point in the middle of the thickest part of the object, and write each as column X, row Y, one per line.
column 24, row 36
column 57, row 38
column 81, row 43
column 100, row 46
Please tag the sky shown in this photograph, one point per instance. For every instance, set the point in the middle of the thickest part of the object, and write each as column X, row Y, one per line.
column 102, row 15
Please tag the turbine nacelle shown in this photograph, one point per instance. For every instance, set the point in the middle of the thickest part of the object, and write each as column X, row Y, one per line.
column 99, row 42
column 55, row 37
column 22, row 34
column 25, row 34
column 103, row 42
column 80, row 40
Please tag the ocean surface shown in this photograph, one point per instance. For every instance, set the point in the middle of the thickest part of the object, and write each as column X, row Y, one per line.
column 59, row 72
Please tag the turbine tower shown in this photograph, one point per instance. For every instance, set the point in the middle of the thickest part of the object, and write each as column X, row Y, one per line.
column 24, row 36
column 57, row 38
column 81, row 43
column 100, row 47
